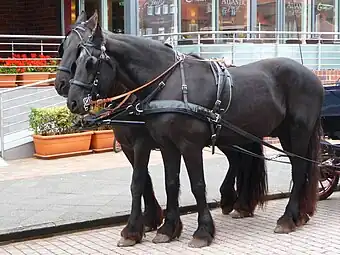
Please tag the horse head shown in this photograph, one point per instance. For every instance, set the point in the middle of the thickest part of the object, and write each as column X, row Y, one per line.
column 68, row 50
column 95, row 73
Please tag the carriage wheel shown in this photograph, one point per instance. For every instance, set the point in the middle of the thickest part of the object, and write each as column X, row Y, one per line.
column 327, row 183
column 116, row 146
column 328, row 177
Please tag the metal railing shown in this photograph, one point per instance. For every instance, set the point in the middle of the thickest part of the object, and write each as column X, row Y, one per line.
column 243, row 47
column 15, row 107
column 19, row 44
column 221, row 37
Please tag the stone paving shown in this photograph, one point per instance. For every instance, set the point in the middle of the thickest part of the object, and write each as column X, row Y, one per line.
column 42, row 193
column 233, row 236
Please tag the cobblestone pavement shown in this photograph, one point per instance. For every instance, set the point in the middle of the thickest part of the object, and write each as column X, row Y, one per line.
column 39, row 193
column 233, row 236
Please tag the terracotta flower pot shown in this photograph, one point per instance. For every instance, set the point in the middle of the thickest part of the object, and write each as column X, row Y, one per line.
column 55, row 146
column 8, row 80
column 52, row 75
column 31, row 77
column 102, row 140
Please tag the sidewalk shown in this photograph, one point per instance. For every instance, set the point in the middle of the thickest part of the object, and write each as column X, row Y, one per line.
column 233, row 236
column 43, row 193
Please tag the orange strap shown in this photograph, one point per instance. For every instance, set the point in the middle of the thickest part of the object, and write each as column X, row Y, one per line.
column 129, row 93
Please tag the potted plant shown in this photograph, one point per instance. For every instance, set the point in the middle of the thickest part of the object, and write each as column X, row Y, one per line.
column 103, row 136
column 55, row 135
column 8, row 72
column 37, row 68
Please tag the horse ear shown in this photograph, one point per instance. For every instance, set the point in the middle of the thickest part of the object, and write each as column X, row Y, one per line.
column 93, row 20
column 98, row 36
column 82, row 17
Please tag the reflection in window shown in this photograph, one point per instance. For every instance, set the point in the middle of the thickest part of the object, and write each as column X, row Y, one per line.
column 232, row 15
column 196, row 15
column 157, row 10
column 293, row 17
column 150, row 10
column 266, row 17
column 161, row 20
column 165, row 9
column 324, row 19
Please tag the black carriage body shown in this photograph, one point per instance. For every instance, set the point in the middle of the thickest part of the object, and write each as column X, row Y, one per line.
column 331, row 112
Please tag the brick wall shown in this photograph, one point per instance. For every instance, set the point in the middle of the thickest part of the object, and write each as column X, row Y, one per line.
column 328, row 76
column 33, row 17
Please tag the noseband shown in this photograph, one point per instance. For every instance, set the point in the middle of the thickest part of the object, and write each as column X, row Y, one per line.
column 61, row 50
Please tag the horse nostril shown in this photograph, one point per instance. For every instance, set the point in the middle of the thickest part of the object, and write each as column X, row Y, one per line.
column 62, row 84
column 73, row 105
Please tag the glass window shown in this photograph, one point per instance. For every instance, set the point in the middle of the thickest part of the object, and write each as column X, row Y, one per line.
column 165, row 9
column 295, row 17
column 115, row 10
column 196, row 15
column 161, row 20
column 266, row 17
column 232, row 15
column 150, row 10
column 325, row 17
column 172, row 8
column 157, row 10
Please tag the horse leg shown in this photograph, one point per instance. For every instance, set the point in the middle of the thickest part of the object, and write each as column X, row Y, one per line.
column 305, row 142
column 227, row 189
column 172, row 227
column 153, row 213
column 133, row 232
column 205, row 232
column 252, row 185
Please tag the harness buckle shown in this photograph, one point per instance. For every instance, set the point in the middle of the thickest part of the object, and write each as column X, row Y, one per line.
column 217, row 118
column 95, row 82
column 185, row 89
column 138, row 108
column 217, row 105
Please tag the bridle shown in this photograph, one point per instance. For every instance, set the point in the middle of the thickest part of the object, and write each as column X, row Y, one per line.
column 92, row 87
column 61, row 46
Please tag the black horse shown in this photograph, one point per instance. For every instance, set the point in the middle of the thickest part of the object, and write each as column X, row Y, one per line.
column 245, row 167
column 136, row 143
column 272, row 97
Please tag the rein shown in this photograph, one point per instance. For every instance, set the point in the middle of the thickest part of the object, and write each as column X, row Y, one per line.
column 129, row 93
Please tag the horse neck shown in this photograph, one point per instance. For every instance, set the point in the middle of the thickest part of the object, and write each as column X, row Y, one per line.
column 140, row 60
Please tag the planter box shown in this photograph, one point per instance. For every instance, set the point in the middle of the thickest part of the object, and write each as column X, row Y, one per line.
column 8, row 80
column 102, row 140
column 56, row 146
column 52, row 75
column 31, row 77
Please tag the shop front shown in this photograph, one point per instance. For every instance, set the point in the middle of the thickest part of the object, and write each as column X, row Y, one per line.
column 158, row 16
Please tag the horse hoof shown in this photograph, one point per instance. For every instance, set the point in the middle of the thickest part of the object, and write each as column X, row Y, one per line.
column 226, row 210
column 238, row 215
column 161, row 238
column 123, row 242
column 283, row 230
column 197, row 243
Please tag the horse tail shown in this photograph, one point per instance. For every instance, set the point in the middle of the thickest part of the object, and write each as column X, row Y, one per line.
column 313, row 172
column 253, row 177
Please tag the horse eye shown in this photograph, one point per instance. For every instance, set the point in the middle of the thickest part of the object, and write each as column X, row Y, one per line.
column 78, row 52
column 74, row 67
